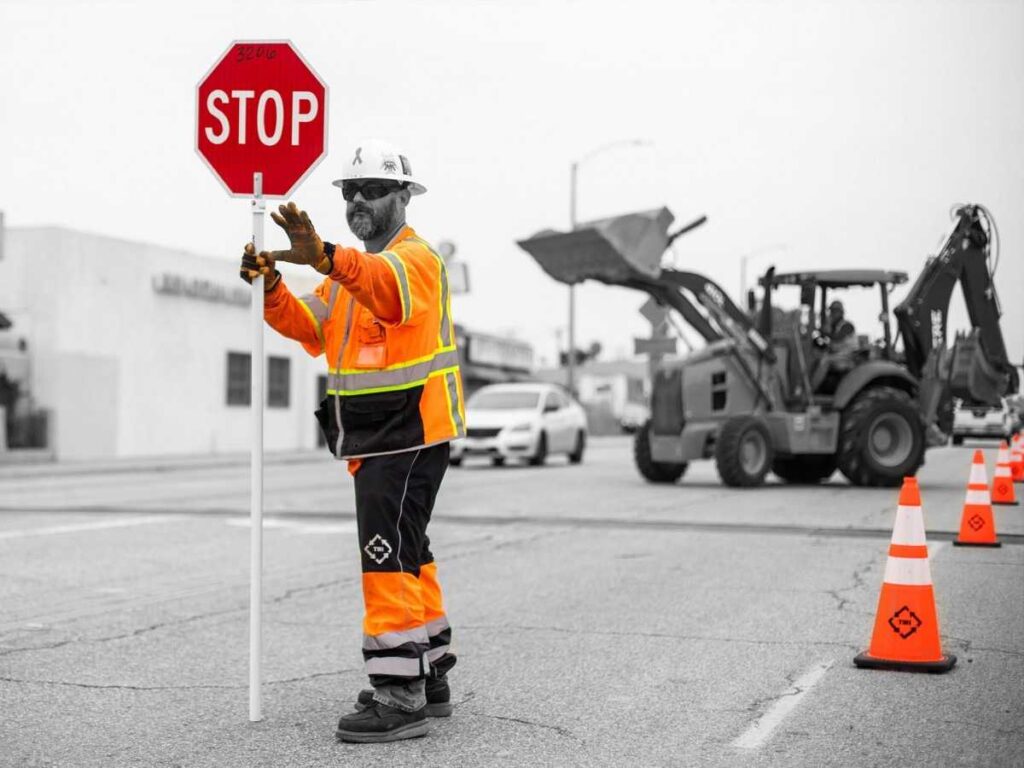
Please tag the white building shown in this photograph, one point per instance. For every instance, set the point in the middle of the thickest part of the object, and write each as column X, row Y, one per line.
column 134, row 349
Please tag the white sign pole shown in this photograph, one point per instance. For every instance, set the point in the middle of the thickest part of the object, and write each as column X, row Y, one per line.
column 256, row 468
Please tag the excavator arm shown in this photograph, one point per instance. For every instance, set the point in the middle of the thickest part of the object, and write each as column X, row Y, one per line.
column 976, row 368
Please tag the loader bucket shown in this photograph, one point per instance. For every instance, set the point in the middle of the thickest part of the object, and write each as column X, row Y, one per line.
column 609, row 250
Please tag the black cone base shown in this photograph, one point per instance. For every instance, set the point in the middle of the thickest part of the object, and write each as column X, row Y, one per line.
column 977, row 543
column 865, row 661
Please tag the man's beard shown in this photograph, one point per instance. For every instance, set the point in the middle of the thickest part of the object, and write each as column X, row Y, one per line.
column 367, row 224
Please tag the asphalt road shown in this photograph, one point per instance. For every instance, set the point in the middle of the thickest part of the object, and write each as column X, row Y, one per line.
column 599, row 620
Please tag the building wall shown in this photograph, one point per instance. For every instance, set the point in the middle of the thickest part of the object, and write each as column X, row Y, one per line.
column 126, row 370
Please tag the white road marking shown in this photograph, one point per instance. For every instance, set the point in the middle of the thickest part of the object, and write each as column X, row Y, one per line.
column 296, row 526
column 761, row 729
column 96, row 525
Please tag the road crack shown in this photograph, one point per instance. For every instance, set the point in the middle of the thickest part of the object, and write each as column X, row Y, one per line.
column 191, row 687
column 556, row 728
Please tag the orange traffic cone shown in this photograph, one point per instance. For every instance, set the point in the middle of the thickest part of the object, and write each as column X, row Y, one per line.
column 1002, row 483
column 906, row 634
column 977, row 526
column 1017, row 458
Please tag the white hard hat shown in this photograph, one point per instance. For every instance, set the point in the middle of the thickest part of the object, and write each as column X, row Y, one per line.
column 377, row 159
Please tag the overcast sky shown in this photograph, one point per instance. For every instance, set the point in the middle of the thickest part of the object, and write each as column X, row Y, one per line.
column 822, row 133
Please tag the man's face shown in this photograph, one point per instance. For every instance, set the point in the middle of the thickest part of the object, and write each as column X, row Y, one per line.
column 373, row 218
column 835, row 313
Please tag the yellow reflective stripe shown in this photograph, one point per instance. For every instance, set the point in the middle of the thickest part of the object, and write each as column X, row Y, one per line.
column 452, row 392
column 402, row 278
column 444, row 330
column 393, row 387
column 313, row 318
column 395, row 366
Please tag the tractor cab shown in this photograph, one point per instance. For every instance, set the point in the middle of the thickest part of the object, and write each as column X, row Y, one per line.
column 817, row 353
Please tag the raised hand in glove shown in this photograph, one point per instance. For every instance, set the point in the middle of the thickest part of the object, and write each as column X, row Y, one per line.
column 254, row 265
column 307, row 247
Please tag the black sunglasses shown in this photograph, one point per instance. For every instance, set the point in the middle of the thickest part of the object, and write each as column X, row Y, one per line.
column 370, row 191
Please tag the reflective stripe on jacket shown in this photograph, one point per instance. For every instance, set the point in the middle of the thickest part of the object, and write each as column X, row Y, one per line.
column 384, row 322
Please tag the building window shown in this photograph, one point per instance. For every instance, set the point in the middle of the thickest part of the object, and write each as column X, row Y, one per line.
column 278, row 381
column 239, row 371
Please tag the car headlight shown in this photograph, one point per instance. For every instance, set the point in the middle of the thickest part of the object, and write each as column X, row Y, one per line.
column 524, row 427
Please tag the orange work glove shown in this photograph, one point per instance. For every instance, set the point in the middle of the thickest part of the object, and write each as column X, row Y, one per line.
column 307, row 247
column 254, row 265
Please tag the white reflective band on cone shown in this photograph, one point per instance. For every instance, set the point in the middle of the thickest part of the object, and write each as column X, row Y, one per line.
column 909, row 527
column 978, row 476
column 913, row 571
column 1003, row 470
column 979, row 498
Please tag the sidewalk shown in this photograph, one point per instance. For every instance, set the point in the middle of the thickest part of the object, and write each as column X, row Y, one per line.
column 168, row 463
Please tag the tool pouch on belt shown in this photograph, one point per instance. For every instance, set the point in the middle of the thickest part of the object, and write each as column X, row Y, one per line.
column 380, row 422
column 328, row 424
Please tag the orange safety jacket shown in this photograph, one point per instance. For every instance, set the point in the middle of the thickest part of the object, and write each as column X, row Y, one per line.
column 384, row 322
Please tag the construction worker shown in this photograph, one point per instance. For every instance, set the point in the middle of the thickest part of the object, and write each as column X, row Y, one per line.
column 382, row 317
column 840, row 330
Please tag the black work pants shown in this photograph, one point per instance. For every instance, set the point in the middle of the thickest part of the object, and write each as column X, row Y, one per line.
column 406, row 634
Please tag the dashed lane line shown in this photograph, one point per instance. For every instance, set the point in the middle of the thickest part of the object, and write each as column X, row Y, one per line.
column 761, row 729
column 96, row 525
column 555, row 521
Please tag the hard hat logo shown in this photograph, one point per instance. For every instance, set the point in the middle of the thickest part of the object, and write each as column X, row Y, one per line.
column 389, row 166
column 357, row 160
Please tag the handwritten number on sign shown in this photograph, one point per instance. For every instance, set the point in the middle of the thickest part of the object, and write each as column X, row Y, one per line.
column 253, row 52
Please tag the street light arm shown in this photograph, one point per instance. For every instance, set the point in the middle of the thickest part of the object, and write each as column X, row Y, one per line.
column 610, row 145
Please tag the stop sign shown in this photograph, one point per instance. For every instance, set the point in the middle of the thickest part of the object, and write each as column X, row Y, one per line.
column 261, row 108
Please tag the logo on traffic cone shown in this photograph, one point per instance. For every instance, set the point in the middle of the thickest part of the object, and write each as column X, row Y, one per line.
column 906, row 634
column 1002, row 482
column 977, row 526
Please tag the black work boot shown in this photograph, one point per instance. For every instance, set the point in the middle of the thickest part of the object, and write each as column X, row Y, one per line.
column 439, row 698
column 379, row 722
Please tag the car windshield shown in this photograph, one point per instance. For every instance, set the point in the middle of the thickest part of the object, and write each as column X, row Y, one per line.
column 503, row 401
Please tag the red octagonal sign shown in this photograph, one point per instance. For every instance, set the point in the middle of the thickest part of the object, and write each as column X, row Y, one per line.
column 261, row 108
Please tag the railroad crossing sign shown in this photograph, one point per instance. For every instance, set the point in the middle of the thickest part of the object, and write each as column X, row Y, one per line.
column 261, row 109
column 655, row 313
column 663, row 345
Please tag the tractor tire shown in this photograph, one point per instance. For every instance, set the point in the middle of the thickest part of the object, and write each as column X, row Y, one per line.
column 651, row 470
column 576, row 456
column 744, row 452
column 808, row 469
column 881, row 438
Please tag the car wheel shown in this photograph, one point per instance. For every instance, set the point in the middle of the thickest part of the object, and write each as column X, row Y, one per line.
column 455, row 461
column 958, row 439
column 498, row 461
column 577, row 452
column 542, row 451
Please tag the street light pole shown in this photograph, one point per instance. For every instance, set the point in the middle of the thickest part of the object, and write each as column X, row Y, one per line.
column 573, row 172
column 571, row 356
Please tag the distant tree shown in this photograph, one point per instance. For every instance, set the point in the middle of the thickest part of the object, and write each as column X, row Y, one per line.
column 581, row 356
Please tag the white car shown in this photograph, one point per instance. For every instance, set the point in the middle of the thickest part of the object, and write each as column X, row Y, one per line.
column 527, row 421
column 982, row 422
